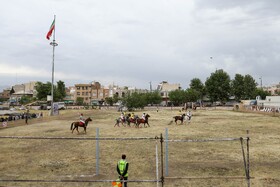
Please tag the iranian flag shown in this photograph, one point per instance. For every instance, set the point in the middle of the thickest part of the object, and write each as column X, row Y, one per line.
column 51, row 30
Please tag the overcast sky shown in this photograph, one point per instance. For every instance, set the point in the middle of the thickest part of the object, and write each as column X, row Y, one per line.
column 134, row 42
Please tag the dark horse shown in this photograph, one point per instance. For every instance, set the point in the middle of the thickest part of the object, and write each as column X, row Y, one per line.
column 144, row 121
column 181, row 118
column 80, row 124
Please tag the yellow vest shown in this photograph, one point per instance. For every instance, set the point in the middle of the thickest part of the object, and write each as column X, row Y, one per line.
column 122, row 167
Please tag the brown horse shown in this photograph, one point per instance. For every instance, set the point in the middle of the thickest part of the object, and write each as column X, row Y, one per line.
column 181, row 118
column 144, row 121
column 80, row 124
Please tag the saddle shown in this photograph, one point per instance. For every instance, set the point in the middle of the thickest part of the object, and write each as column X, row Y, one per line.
column 81, row 123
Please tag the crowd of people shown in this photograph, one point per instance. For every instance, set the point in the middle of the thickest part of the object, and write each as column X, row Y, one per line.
column 19, row 116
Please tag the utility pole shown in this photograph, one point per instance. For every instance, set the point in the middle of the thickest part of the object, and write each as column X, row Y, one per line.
column 151, row 86
column 54, row 44
column 261, row 81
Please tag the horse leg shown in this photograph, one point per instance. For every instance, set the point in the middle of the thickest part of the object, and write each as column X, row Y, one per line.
column 74, row 128
column 148, row 124
column 85, row 129
column 77, row 129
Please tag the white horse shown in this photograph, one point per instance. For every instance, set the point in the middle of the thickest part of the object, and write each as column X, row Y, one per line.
column 188, row 117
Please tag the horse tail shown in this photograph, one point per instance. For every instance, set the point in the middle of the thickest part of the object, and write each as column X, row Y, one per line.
column 71, row 126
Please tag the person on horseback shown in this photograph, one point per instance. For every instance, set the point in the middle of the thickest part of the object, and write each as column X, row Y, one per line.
column 143, row 116
column 189, row 116
column 82, row 119
column 122, row 116
column 132, row 116
column 180, row 113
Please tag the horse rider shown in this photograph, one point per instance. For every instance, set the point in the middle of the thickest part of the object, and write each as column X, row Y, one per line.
column 82, row 119
column 180, row 113
column 132, row 116
column 189, row 116
column 122, row 116
column 144, row 116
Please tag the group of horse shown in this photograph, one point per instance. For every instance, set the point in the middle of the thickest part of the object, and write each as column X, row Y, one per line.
column 182, row 118
column 126, row 120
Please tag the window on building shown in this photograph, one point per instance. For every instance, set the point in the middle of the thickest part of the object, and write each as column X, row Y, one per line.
column 78, row 93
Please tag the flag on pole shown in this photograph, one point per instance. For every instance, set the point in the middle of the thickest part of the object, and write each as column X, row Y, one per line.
column 49, row 34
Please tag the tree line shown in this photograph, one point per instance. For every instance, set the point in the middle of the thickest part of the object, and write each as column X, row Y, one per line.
column 217, row 87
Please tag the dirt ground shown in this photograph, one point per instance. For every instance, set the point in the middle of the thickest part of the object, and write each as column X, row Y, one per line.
column 48, row 159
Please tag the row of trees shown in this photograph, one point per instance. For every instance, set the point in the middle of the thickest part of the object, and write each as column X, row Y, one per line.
column 217, row 87
column 43, row 90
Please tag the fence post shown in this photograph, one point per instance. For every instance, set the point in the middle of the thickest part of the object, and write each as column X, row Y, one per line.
column 244, row 158
column 161, row 155
column 248, row 160
column 97, row 151
column 166, row 151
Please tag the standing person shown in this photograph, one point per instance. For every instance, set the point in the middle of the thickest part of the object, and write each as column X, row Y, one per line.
column 26, row 118
column 122, row 169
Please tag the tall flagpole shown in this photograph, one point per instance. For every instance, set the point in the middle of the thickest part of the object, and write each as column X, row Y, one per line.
column 54, row 44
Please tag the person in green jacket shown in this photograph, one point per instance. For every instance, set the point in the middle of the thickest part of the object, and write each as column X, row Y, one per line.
column 122, row 169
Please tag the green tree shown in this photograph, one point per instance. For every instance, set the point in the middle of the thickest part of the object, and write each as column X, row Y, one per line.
column 60, row 91
column 80, row 101
column 177, row 97
column 135, row 100
column 260, row 92
column 43, row 90
column 109, row 100
column 250, row 87
column 199, row 87
column 237, row 87
column 153, row 98
column 115, row 98
column 25, row 99
column 218, row 86
column 192, row 95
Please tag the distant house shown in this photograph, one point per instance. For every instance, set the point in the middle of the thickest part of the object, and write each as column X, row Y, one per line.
column 273, row 89
column 91, row 93
column 5, row 95
column 70, row 95
column 19, row 90
column 164, row 89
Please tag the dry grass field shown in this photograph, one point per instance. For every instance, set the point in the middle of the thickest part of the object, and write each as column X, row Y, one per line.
column 70, row 159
